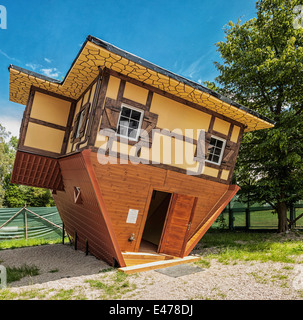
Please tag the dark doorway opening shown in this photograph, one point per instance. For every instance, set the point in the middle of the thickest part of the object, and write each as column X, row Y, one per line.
column 155, row 221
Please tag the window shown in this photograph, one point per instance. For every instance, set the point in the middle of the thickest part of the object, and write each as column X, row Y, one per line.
column 129, row 123
column 80, row 123
column 215, row 150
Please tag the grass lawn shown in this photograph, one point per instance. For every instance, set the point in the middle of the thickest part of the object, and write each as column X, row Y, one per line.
column 224, row 246
column 20, row 243
column 229, row 246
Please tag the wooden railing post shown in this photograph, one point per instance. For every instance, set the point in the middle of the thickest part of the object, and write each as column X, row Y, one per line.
column 25, row 222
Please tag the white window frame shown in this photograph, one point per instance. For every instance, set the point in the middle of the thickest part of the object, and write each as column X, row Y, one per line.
column 222, row 151
column 140, row 122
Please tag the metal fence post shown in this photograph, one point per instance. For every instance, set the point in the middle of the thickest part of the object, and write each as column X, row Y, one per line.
column 292, row 216
column 63, row 233
column 247, row 218
column 231, row 218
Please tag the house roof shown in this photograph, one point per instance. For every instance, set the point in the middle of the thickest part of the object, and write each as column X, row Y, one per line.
column 97, row 53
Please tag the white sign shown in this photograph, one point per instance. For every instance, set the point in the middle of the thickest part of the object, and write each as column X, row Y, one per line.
column 132, row 216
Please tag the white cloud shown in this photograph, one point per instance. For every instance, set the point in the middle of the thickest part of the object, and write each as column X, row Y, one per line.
column 33, row 66
column 11, row 124
column 198, row 69
column 51, row 72
column 193, row 69
column 47, row 60
column 8, row 57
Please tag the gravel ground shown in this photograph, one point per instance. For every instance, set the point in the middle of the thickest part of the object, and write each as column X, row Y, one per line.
column 68, row 274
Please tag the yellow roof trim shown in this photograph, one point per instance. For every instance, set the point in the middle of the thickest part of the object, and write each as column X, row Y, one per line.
column 85, row 69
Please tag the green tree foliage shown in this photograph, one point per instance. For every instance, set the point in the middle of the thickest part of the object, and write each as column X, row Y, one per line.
column 262, row 68
column 12, row 195
column 7, row 155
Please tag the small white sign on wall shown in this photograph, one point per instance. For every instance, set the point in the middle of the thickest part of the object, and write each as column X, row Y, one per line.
column 132, row 216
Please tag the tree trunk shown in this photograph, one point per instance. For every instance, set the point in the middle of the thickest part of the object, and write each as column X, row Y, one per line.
column 282, row 217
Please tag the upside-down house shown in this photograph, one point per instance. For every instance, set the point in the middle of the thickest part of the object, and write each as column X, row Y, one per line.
column 119, row 191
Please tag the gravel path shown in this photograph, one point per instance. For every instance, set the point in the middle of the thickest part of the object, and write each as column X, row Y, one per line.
column 68, row 274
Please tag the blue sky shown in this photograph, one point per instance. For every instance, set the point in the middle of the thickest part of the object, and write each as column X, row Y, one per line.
column 45, row 36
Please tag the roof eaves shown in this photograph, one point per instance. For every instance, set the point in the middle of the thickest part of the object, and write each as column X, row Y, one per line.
column 174, row 76
column 34, row 74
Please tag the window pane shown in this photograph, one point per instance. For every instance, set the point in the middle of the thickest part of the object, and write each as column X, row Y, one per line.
column 213, row 141
column 132, row 133
column 219, row 143
column 124, row 121
column 217, row 151
column 134, row 124
column 210, row 149
column 136, row 115
column 210, row 157
column 122, row 131
column 216, row 159
column 125, row 112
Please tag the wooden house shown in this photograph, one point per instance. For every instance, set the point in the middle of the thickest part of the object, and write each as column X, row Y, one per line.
column 171, row 197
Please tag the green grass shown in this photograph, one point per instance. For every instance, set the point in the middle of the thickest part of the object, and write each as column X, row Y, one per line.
column 17, row 273
column 20, row 243
column 229, row 247
column 115, row 289
column 259, row 219
column 69, row 294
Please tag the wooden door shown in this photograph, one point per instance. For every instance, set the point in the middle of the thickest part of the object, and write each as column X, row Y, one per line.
column 177, row 225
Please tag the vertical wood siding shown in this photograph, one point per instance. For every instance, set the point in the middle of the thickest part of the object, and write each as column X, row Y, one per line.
column 87, row 218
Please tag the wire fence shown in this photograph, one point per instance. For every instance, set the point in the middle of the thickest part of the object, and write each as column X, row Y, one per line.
column 28, row 223
column 45, row 222
column 239, row 215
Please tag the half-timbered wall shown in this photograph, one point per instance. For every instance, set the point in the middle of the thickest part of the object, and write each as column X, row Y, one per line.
column 45, row 125
column 85, row 104
column 171, row 116
column 56, row 125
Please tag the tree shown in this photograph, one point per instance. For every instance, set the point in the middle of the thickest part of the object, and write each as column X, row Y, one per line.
column 7, row 155
column 262, row 68
column 17, row 196
column 12, row 195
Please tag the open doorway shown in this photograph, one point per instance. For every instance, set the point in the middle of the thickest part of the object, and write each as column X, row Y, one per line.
column 155, row 221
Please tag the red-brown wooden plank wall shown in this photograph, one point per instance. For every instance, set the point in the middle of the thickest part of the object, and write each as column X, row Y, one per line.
column 89, row 217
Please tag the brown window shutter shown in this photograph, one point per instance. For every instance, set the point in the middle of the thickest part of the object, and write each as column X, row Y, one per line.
column 201, row 157
column 148, row 124
column 229, row 154
column 110, row 115
column 207, row 141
